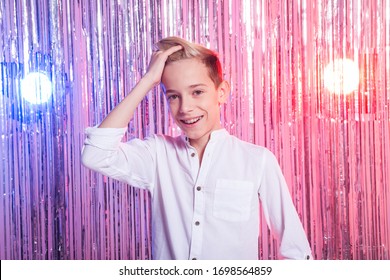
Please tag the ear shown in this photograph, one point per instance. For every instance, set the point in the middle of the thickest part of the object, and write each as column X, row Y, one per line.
column 223, row 91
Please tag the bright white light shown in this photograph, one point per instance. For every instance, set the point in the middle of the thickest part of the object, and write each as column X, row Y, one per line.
column 36, row 88
column 341, row 76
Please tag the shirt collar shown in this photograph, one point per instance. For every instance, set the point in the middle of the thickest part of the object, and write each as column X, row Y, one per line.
column 218, row 134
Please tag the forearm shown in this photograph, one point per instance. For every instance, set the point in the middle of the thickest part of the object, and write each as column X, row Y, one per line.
column 121, row 115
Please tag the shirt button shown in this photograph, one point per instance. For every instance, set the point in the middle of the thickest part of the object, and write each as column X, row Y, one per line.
column 197, row 223
column 194, row 259
column 192, row 154
column 198, row 188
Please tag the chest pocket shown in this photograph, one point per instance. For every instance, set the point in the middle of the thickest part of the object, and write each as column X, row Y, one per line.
column 232, row 200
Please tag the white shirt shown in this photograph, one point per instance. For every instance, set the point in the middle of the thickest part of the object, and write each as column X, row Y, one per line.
column 207, row 211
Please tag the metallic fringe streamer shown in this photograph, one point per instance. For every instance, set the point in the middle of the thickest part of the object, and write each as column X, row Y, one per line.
column 333, row 148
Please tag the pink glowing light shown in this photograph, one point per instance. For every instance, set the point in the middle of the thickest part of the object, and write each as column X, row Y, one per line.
column 341, row 76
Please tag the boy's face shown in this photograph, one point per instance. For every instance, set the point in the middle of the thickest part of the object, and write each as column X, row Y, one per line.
column 193, row 99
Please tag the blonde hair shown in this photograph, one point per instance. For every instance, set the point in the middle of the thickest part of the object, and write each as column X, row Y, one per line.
column 191, row 50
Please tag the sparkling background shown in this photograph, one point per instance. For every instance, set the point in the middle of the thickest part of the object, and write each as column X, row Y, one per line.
column 333, row 148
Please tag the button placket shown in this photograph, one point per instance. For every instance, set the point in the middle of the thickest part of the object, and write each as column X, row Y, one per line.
column 199, row 205
column 197, row 222
column 194, row 163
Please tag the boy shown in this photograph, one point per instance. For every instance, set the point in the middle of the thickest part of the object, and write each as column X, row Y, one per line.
column 206, row 184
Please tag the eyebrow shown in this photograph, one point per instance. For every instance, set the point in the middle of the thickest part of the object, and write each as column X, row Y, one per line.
column 191, row 86
column 197, row 85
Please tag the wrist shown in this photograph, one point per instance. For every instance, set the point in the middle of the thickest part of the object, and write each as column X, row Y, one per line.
column 150, row 80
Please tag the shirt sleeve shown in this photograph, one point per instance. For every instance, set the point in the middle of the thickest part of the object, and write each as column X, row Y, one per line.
column 280, row 212
column 131, row 162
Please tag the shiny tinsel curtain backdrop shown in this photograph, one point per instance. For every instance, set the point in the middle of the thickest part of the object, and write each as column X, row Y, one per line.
column 310, row 81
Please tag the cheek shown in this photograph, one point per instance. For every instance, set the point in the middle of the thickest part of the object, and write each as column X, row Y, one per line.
column 212, row 104
column 210, row 101
column 173, row 108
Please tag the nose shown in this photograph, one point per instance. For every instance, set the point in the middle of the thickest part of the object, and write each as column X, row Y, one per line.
column 186, row 105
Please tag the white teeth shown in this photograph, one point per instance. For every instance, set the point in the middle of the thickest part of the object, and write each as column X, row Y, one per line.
column 191, row 121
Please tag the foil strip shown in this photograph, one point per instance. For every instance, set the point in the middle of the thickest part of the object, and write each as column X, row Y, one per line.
column 334, row 148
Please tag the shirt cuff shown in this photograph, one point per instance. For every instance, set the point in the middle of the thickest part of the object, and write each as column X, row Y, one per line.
column 104, row 138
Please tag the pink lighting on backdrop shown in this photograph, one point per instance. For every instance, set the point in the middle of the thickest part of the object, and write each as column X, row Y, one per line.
column 327, row 123
column 341, row 76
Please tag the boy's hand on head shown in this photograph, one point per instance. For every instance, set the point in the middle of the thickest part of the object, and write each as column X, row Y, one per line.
column 121, row 115
column 157, row 64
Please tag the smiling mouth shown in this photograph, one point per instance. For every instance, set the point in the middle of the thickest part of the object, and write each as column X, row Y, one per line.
column 192, row 121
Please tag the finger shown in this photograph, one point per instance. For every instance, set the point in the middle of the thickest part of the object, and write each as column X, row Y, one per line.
column 156, row 52
column 173, row 49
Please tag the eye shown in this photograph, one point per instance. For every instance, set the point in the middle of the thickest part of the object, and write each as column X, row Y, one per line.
column 198, row 92
column 172, row 97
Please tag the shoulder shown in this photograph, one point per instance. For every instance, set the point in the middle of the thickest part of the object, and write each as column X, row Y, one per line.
column 254, row 154
column 249, row 148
